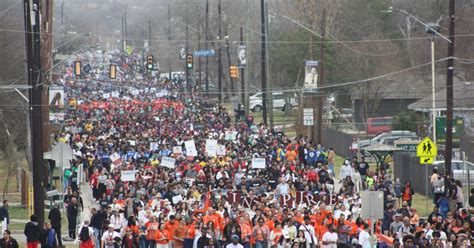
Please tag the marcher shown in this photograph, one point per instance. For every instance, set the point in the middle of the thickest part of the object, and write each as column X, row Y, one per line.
column 8, row 241
column 32, row 232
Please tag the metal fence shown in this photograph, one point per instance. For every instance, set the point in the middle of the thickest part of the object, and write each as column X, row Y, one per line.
column 467, row 145
column 338, row 140
column 409, row 168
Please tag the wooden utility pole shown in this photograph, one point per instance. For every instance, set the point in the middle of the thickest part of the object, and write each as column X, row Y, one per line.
column 448, row 152
column 33, row 50
column 199, row 48
column 322, row 97
column 169, row 39
column 46, row 63
column 263, row 65
column 229, row 61
column 219, row 52
column 242, row 76
column 206, row 44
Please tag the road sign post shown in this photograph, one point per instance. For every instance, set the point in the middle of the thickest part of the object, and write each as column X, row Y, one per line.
column 426, row 151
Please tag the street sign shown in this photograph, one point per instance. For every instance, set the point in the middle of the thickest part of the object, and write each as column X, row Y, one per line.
column 426, row 148
column 204, row 53
column 426, row 160
column 308, row 117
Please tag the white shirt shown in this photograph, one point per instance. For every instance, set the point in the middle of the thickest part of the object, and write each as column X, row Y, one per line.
column 108, row 238
column 231, row 245
column 91, row 232
column 283, row 189
column 364, row 239
column 330, row 237
column 309, row 233
column 346, row 170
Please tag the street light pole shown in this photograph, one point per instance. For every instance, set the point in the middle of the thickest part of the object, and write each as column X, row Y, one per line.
column 433, row 88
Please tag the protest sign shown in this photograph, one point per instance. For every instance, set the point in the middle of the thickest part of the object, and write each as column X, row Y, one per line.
column 168, row 162
column 258, row 163
column 128, row 176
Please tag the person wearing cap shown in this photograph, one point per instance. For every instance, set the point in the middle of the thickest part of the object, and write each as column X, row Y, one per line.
column 109, row 238
column 235, row 242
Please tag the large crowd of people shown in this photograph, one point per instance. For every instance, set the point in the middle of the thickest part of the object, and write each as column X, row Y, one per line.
column 168, row 168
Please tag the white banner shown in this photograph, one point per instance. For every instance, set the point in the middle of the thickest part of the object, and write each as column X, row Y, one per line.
column 177, row 150
column 168, row 162
column 106, row 96
column 116, row 94
column 258, row 163
column 221, row 151
column 190, row 148
column 230, row 135
column 177, row 199
column 153, row 146
column 128, row 176
column 211, row 147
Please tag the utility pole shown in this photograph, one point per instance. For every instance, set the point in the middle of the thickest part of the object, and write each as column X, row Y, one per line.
column 229, row 61
column 269, row 86
column 264, row 73
column 199, row 48
column 46, row 64
column 188, row 83
column 242, row 77
column 247, row 72
column 33, row 51
column 125, row 29
column 219, row 52
column 321, row 79
column 206, row 44
column 448, row 152
column 169, row 39
column 149, row 36
column 122, row 41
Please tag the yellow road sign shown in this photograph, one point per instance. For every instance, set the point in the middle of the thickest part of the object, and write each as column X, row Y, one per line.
column 426, row 160
column 426, row 148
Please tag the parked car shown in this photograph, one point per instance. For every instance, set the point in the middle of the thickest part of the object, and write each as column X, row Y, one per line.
column 281, row 100
column 389, row 138
column 458, row 170
column 377, row 125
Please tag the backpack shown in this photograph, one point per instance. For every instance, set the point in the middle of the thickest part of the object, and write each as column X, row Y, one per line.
column 84, row 235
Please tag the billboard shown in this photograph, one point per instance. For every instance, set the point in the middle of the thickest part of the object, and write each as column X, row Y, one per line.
column 242, row 55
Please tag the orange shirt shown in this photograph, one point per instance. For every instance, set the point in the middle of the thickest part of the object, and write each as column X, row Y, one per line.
column 151, row 228
column 291, row 155
column 190, row 231
column 161, row 236
column 246, row 232
column 320, row 231
column 171, row 227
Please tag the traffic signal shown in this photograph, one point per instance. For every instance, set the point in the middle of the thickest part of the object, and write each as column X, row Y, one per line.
column 149, row 62
column 77, row 68
column 189, row 61
column 234, row 72
column 113, row 71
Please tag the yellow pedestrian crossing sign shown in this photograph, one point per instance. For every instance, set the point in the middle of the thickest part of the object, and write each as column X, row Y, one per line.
column 426, row 160
column 426, row 148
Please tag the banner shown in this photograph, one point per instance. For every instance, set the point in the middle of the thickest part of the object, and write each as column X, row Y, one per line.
column 128, row 176
column 168, row 162
column 221, row 151
column 56, row 97
column 190, row 148
column 258, row 163
column 311, row 75
column 242, row 55
column 115, row 94
column 230, row 135
column 115, row 158
column 106, row 95
column 176, row 199
column 177, row 150
column 211, row 147
column 153, row 146
column 302, row 197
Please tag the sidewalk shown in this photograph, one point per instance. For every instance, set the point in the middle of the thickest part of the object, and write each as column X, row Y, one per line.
column 89, row 203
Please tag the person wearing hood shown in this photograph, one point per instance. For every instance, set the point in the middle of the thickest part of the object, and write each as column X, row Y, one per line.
column 32, row 232
column 346, row 170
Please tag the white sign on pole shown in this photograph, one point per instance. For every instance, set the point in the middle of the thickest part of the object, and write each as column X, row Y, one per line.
column 128, row 176
column 190, row 148
column 221, row 150
column 308, row 117
column 177, row 150
column 168, row 162
column 176, row 199
column 230, row 135
column 258, row 163
column 211, row 147
column 154, row 146
column 115, row 94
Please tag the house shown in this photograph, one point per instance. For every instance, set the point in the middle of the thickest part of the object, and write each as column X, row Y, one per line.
column 463, row 101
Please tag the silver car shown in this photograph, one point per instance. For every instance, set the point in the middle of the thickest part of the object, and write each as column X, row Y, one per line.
column 459, row 171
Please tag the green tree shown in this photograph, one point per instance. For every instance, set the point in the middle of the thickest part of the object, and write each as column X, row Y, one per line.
column 408, row 120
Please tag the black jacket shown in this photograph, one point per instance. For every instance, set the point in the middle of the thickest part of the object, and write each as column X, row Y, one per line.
column 72, row 210
column 10, row 244
column 55, row 217
column 32, row 232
